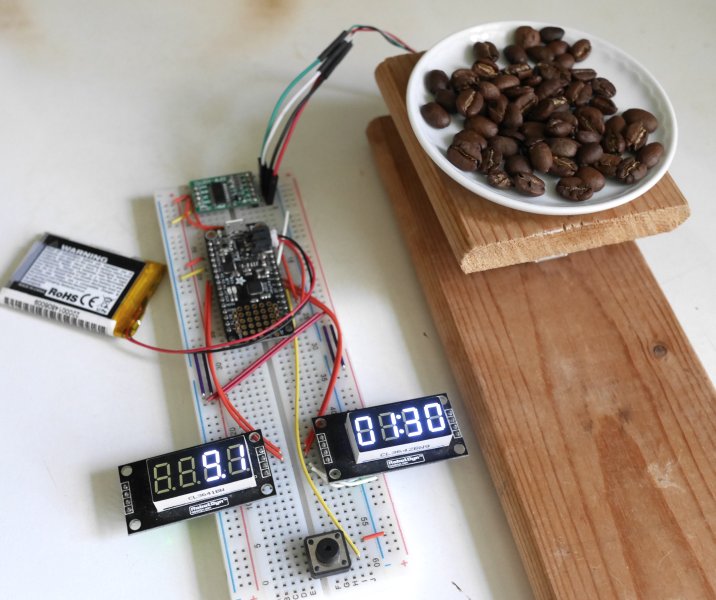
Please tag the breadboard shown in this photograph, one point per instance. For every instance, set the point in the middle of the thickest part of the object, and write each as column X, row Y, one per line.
column 263, row 541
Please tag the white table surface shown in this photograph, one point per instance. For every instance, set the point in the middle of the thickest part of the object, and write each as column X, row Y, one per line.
column 103, row 102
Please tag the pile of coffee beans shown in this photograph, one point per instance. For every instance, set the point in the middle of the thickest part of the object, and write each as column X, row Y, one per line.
column 541, row 114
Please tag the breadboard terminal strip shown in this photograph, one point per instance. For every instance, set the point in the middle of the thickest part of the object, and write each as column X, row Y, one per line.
column 263, row 541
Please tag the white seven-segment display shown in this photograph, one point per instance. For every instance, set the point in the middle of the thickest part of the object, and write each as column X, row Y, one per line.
column 398, row 428
column 200, row 473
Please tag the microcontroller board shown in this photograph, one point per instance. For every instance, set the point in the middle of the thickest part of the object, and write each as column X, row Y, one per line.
column 224, row 191
column 251, row 293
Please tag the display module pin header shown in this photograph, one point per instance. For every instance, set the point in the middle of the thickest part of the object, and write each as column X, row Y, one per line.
column 83, row 286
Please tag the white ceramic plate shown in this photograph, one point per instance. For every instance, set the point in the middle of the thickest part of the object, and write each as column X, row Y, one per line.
column 636, row 88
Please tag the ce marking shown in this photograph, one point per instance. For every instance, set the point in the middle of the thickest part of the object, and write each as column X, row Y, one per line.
column 92, row 299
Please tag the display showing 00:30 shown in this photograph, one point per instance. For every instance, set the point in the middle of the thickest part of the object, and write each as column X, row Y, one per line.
column 191, row 470
column 413, row 420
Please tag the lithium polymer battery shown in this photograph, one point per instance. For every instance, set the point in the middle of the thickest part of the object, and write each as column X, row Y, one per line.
column 82, row 286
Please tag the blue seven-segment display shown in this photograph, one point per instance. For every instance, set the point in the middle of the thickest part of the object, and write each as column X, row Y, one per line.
column 413, row 421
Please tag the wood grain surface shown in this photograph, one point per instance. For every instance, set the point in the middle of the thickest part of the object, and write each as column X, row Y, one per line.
column 484, row 235
column 595, row 417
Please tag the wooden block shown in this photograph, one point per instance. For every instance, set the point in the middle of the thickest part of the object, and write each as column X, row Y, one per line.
column 596, row 419
column 484, row 235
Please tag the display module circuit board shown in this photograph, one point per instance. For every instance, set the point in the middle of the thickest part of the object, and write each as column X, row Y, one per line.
column 247, row 279
column 264, row 541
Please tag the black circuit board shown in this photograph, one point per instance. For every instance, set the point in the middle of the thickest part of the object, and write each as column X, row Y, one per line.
column 141, row 513
column 332, row 440
column 250, row 290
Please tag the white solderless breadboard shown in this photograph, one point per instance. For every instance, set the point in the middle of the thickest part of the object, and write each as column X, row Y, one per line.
column 263, row 541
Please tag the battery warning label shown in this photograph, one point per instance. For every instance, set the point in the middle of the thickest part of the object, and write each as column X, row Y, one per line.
column 85, row 280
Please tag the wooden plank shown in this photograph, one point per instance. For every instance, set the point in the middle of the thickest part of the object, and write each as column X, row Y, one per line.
column 597, row 421
column 484, row 235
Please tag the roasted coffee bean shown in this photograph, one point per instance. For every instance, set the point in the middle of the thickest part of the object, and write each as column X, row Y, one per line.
column 634, row 115
column 525, row 102
column 557, row 127
column 573, row 188
column 607, row 164
column 593, row 178
column 581, row 50
column 511, row 132
column 603, row 87
column 533, row 130
column 549, row 88
column 486, row 50
column 590, row 119
column 650, row 154
column 482, row 125
column 446, row 99
column 583, row 74
column 562, row 146
column 558, row 47
column 573, row 90
column 635, row 135
column 541, row 157
column 436, row 80
column 491, row 159
column 518, row 90
column 435, row 115
column 513, row 116
column 520, row 70
column 584, row 96
column 499, row 179
column 630, row 170
column 486, row 69
column 603, row 105
column 469, row 103
column 526, row 36
column 503, row 81
column 545, row 108
column 470, row 136
column 566, row 60
column 550, row 71
column 517, row 164
column 578, row 93
column 463, row 79
column 615, row 124
column 489, row 90
column 540, row 54
column 464, row 155
column 563, row 167
column 587, row 137
column 496, row 109
column 588, row 154
column 549, row 34
column 506, row 145
column 528, row 184
column 613, row 142
column 533, row 80
column 515, row 54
